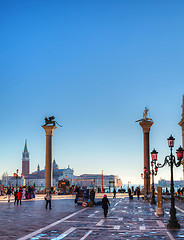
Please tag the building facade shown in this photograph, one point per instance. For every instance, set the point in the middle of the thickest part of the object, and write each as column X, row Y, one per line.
column 96, row 181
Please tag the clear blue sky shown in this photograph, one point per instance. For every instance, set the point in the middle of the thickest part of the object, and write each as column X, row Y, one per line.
column 94, row 65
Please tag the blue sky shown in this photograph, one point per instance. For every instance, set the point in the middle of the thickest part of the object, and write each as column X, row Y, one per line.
column 94, row 65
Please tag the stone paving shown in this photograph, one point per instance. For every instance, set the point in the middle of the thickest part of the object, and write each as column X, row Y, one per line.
column 127, row 219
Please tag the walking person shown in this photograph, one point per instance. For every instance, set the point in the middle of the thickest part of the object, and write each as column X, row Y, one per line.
column 105, row 205
column 77, row 194
column 19, row 197
column 9, row 192
column 130, row 193
column 138, row 193
column 48, row 198
column 114, row 193
column 15, row 195
column 92, row 196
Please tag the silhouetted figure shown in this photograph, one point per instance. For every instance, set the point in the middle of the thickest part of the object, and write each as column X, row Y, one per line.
column 105, row 205
column 114, row 193
column 15, row 195
column 129, row 193
column 92, row 195
column 76, row 194
column 138, row 193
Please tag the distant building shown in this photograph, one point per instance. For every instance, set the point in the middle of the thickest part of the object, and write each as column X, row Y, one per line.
column 25, row 160
column 37, row 178
column 166, row 184
column 95, row 180
column 11, row 181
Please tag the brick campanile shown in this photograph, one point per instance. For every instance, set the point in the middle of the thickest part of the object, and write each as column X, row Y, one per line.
column 181, row 123
column 25, row 160
column 146, row 124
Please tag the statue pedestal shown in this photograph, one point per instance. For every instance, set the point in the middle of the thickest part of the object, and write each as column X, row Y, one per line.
column 48, row 157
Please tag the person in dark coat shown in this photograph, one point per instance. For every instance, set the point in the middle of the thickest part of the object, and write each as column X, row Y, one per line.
column 92, row 195
column 114, row 193
column 9, row 192
column 138, row 193
column 15, row 195
column 77, row 194
column 105, row 205
column 129, row 193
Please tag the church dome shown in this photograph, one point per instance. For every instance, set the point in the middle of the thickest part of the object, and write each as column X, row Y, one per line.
column 55, row 165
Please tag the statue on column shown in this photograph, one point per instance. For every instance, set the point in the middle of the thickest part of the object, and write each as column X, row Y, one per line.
column 51, row 122
column 145, row 116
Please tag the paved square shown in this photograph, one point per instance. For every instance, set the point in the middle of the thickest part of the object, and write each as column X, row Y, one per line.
column 127, row 219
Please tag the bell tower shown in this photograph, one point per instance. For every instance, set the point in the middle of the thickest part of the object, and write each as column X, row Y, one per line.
column 25, row 160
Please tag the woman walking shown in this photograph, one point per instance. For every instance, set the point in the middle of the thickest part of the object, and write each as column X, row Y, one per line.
column 19, row 197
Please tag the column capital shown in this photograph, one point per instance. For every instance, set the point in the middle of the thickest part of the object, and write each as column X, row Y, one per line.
column 49, row 129
column 146, row 125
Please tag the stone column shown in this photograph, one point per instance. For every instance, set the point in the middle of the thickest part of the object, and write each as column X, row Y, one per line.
column 48, row 157
column 181, row 123
column 146, row 125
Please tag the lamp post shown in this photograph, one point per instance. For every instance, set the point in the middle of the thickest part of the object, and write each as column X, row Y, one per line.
column 146, row 176
column 170, row 160
column 17, row 176
column 154, row 170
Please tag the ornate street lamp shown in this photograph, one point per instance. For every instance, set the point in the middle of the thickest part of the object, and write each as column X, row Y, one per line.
column 17, row 176
column 146, row 176
column 154, row 170
column 170, row 160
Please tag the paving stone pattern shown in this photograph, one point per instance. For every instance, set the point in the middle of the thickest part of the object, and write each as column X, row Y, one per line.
column 127, row 219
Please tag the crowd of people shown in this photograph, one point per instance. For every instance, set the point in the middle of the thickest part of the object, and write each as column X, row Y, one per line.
column 132, row 192
column 87, row 196
column 24, row 192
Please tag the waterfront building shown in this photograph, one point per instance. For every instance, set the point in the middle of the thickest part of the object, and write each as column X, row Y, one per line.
column 95, row 180
column 166, row 184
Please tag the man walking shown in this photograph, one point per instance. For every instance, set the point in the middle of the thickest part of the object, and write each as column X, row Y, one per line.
column 114, row 193
column 9, row 192
column 48, row 198
column 138, row 193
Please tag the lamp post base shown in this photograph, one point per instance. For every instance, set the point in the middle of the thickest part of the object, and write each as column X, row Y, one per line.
column 153, row 201
column 173, row 224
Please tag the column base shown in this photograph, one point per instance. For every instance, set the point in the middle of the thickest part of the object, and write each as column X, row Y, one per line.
column 159, row 211
column 144, row 191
